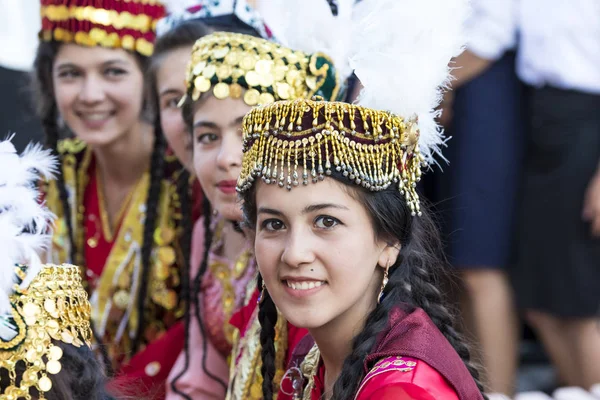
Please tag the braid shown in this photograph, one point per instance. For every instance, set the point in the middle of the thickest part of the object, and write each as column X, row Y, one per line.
column 186, row 212
column 183, row 191
column 352, row 372
column 49, row 123
column 267, row 316
column 421, row 284
column 208, row 237
column 152, row 206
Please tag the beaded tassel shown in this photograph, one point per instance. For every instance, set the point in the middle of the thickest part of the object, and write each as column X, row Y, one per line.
column 372, row 149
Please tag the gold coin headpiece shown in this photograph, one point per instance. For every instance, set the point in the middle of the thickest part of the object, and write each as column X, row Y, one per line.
column 257, row 70
column 289, row 143
column 40, row 305
column 53, row 308
column 129, row 25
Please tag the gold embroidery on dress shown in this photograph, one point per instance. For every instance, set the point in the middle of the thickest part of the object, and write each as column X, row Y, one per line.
column 245, row 380
column 114, row 301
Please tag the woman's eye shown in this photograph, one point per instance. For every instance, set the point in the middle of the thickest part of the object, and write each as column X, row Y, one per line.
column 69, row 74
column 207, row 138
column 114, row 72
column 170, row 103
column 325, row 222
column 272, row 225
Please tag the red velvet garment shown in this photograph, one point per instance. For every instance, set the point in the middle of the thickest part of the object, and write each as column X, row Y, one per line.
column 438, row 371
column 413, row 334
column 419, row 381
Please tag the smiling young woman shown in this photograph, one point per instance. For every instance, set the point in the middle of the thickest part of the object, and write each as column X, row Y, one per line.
column 115, row 196
column 344, row 246
column 228, row 74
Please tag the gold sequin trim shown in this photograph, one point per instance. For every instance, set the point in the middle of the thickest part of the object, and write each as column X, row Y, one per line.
column 99, row 16
column 302, row 141
column 230, row 62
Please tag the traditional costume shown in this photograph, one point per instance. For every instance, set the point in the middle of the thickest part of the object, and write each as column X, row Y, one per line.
column 400, row 52
column 111, row 260
column 41, row 306
column 256, row 71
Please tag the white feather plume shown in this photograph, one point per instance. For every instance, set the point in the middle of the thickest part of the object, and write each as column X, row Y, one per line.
column 310, row 26
column 401, row 51
column 24, row 221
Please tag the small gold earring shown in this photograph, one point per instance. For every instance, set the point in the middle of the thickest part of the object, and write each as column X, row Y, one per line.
column 384, row 283
column 261, row 296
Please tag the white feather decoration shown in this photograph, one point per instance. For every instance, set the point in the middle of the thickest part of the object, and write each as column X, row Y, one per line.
column 401, row 51
column 310, row 26
column 24, row 221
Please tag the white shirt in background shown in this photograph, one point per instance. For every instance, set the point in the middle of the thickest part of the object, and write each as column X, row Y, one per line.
column 20, row 24
column 558, row 41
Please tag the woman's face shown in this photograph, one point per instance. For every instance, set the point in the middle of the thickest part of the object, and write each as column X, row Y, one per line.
column 99, row 92
column 217, row 137
column 318, row 254
column 170, row 85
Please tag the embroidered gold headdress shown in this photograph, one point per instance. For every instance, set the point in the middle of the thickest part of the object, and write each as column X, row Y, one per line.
column 295, row 142
column 39, row 304
column 126, row 24
column 231, row 63
column 403, row 70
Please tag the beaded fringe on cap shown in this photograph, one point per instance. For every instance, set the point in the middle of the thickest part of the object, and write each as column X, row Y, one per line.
column 303, row 141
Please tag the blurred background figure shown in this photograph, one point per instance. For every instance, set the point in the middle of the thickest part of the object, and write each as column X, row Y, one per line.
column 478, row 189
column 555, row 276
column 19, row 26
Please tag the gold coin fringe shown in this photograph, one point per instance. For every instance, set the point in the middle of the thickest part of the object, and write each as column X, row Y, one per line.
column 230, row 63
column 100, row 16
column 300, row 141
column 54, row 307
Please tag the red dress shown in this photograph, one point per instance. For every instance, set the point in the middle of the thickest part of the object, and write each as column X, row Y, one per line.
column 411, row 360
column 397, row 378
column 111, row 262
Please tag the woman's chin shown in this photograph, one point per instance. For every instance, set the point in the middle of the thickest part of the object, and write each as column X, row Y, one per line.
column 231, row 212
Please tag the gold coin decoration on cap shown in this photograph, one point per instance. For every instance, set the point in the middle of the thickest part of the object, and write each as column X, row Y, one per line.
column 202, row 84
column 45, row 384
column 232, row 62
column 53, row 367
column 235, row 90
column 56, row 307
column 283, row 90
column 224, row 71
column 221, row 90
column 209, row 71
column 198, row 68
column 266, row 98
column 251, row 97
column 252, row 78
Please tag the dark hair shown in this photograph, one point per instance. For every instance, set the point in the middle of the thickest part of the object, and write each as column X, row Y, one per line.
column 80, row 377
column 48, row 113
column 414, row 280
column 186, row 34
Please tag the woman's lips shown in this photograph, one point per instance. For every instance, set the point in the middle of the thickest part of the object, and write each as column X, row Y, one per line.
column 227, row 187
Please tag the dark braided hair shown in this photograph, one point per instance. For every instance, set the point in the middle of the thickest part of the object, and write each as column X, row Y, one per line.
column 229, row 24
column 414, row 280
column 157, row 171
column 43, row 87
column 267, row 315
